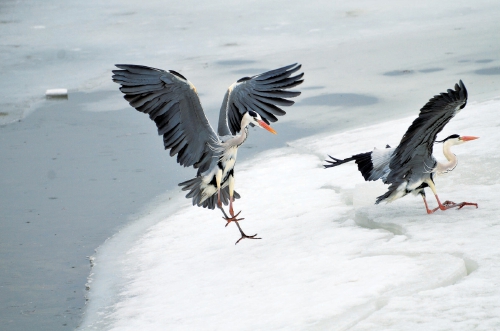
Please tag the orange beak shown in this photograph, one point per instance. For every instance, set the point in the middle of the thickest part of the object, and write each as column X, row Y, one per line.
column 468, row 138
column 265, row 126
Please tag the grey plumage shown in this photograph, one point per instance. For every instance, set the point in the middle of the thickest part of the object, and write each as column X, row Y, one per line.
column 410, row 166
column 413, row 158
column 261, row 93
column 373, row 165
column 172, row 102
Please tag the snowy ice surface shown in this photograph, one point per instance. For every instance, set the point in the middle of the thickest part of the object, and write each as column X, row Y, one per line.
column 329, row 259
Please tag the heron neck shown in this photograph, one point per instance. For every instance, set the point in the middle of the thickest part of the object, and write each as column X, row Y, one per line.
column 452, row 159
column 240, row 139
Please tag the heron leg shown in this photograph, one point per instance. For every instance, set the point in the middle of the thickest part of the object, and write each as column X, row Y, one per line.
column 231, row 199
column 440, row 205
column 429, row 211
column 447, row 204
column 231, row 211
column 231, row 193
column 218, row 177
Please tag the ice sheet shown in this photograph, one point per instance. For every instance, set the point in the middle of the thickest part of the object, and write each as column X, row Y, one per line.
column 349, row 49
column 326, row 261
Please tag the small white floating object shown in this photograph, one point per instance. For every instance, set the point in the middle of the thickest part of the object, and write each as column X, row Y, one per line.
column 57, row 93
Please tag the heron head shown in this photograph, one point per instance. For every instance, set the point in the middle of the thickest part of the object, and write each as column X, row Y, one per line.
column 255, row 119
column 455, row 139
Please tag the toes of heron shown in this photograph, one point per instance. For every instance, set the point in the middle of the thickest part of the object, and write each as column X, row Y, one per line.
column 467, row 204
column 232, row 219
column 234, row 216
column 247, row 237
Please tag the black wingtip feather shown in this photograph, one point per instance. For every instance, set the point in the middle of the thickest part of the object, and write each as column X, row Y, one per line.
column 175, row 73
column 336, row 162
column 459, row 93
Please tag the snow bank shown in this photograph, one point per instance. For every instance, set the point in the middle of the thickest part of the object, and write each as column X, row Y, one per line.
column 328, row 260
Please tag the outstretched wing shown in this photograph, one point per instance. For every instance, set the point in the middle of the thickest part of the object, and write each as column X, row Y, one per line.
column 261, row 93
column 416, row 145
column 431, row 120
column 172, row 103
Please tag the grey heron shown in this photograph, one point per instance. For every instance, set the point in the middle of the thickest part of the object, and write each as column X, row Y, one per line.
column 172, row 102
column 411, row 167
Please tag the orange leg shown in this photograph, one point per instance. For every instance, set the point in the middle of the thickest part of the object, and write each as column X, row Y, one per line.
column 446, row 205
column 429, row 211
column 231, row 212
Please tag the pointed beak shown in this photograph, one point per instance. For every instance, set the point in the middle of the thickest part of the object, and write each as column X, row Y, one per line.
column 266, row 126
column 469, row 138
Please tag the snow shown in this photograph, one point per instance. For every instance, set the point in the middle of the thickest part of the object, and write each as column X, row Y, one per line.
column 329, row 259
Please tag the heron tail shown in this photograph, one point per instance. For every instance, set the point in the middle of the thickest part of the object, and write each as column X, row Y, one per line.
column 205, row 195
column 363, row 160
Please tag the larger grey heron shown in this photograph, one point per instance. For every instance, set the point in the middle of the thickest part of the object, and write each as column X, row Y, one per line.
column 172, row 102
column 410, row 167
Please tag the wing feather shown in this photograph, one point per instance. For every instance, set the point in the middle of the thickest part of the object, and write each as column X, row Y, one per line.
column 273, row 100
column 432, row 118
column 417, row 143
column 276, row 94
column 280, row 72
column 262, row 93
column 173, row 104
column 270, row 108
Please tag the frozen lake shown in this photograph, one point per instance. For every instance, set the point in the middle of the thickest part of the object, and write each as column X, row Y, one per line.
column 365, row 63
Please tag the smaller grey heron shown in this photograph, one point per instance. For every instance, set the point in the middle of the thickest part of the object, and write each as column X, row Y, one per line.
column 411, row 167
column 172, row 102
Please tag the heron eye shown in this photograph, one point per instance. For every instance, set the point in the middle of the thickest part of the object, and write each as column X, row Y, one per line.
column 252, row 113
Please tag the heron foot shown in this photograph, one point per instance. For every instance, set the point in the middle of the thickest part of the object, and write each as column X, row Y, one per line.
column 233, row 218
column 462, row 204
column 243, row 235
column 450, row 204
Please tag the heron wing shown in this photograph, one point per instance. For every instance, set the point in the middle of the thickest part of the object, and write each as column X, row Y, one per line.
column 416, row 145
column 261, row 93
column 172, row 103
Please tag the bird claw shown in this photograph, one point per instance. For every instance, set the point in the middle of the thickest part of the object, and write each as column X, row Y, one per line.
column 243, row 236
column 232, row 218
column 462, row 204
column 450, row 204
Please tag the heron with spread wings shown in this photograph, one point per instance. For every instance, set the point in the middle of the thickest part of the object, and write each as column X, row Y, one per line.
column 411, row 167
column 172, row 102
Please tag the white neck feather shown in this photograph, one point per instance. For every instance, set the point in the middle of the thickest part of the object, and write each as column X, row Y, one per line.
column 445, row 167
column 240, row 138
